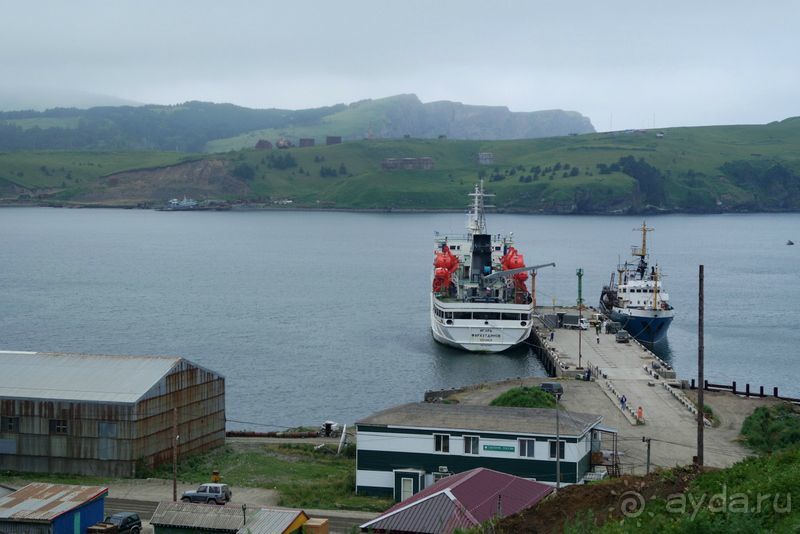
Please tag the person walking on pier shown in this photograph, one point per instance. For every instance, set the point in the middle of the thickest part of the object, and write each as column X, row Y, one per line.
column 623, row 400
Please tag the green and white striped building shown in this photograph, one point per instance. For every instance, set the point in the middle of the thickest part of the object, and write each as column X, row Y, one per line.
column 406, row 448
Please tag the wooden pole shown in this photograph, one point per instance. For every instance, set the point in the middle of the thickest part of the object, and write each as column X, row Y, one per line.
column 700, row 373
column 175, row 454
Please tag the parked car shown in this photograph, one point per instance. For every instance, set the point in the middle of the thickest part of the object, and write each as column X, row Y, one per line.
column 623, row 336
column 125, row 522
column 209, row 493
column 554, row 388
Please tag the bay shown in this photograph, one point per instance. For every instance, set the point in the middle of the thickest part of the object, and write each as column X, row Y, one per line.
column 324, row 315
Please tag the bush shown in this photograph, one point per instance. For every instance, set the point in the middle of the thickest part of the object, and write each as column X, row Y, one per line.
column 525, row 397
column 244, row 171
column 772, row 429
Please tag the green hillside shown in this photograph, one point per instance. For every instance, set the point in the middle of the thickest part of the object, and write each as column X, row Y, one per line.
column 200, row 126
column 403, row 116
column 715, row 168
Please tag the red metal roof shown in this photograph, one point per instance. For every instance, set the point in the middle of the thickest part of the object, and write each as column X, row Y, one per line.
column 461, row 500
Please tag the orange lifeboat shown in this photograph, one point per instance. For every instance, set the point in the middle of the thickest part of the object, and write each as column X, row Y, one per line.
column 445, row 264
column 515, row 260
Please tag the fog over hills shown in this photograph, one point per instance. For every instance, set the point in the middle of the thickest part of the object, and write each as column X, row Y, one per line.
column 40, row 99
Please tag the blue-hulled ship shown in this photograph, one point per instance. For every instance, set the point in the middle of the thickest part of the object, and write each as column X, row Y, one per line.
column 635, row 296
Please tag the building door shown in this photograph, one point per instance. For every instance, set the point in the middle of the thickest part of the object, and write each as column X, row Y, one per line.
column 406, row 488
column 107, row 440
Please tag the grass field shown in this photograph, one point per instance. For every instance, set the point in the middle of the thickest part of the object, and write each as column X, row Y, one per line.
column 304, row 477
column 62, row 169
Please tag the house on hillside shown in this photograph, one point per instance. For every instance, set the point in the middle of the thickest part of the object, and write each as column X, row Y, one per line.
column 409, row 447
column 41, row 508
column 263, row 144
column 104, row 415
column 409, row 164
column 486, row 158
column 461, row 501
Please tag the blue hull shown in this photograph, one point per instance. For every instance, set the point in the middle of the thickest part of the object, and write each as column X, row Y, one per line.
column 644, row 329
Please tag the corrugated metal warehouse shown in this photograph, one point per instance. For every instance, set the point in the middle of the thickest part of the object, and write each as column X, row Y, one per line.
column 104, row 415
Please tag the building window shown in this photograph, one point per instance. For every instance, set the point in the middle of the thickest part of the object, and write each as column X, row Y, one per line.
column 527, row 447
column 471, row 444
column 553, row 449
column 441, row 443
column 9, row 424
column 58, row 426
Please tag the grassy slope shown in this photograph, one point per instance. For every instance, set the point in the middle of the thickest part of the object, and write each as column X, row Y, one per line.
column 49, row 169
column 689, row 159
column 525, row 397
column 355, row 121
column 682, row 153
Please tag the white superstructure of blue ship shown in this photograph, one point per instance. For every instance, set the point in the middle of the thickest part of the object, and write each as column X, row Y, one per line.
column 635, row 296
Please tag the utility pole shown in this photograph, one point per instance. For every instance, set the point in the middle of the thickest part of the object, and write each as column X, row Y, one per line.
column 558, row 447
column 175, row 454
column 700, row 372
column 647, row 440
column 579, row 272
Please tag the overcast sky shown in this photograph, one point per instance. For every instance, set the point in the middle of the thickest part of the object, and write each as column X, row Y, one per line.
column 624, row 64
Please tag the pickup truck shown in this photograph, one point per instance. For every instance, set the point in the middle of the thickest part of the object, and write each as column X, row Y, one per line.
column 119, row 523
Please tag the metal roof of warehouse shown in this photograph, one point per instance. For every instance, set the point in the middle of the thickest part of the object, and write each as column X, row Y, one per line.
column 80, row 377
column 41, row 502
column 469, row 417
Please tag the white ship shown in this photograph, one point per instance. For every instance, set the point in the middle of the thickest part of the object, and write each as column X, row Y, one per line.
column 480, row 299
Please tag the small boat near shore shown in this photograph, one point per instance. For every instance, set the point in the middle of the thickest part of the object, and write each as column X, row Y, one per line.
column 190, row 204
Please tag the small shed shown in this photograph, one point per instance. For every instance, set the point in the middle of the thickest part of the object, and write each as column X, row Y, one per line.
column 275, row 521
column 184, row 518
column 41, row 508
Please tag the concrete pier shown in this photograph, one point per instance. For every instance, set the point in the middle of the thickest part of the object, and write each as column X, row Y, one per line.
column 668, row 413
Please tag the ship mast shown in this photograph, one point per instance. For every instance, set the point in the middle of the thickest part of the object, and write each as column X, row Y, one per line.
column 476, row 223
column 642, row 252
column 655, row 288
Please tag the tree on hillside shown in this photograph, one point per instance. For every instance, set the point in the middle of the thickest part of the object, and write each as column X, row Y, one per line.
column 650, row 179
column 244, row 171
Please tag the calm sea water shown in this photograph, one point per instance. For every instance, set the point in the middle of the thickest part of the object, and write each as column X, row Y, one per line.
column 314, row 316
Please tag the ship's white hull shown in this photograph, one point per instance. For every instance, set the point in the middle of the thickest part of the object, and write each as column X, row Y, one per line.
column 481, row 335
